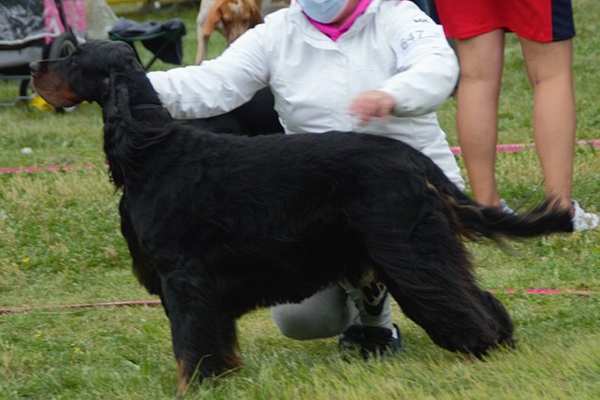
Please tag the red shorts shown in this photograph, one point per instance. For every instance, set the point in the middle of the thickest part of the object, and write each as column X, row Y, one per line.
column 538, row 20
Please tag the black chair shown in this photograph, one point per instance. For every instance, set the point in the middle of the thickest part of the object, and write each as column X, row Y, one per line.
column 162, row 39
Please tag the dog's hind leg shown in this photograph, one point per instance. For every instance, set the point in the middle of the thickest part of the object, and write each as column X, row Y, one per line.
column 429, row 274
column 204, row 336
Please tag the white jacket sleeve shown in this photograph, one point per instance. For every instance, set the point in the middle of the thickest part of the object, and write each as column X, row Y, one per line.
column 216, row 86
column 427, row 68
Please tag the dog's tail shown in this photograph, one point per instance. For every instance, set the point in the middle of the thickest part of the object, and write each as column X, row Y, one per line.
column 475, row 221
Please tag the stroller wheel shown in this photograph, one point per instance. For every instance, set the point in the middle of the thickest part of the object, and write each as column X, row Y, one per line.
column 62, row 45
column 25, row 90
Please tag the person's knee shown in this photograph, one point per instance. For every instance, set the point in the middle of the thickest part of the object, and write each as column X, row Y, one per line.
column 295, row 324
column 481, row 58
column 476, row 76
column 548, row 62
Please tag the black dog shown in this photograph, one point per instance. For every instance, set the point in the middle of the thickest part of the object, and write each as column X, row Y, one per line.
column 256, row 117
column 218, row 225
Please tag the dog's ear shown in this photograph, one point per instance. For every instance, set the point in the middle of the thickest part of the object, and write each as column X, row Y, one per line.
column 253, row 15
column 122, row 57
column 117, row 102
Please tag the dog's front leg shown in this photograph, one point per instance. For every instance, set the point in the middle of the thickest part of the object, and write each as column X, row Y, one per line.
column 204, row 338
column 201, row 47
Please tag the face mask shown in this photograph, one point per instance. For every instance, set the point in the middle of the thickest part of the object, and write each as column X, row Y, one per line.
column 323, row 11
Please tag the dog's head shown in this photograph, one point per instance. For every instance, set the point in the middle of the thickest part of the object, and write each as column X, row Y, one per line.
column 235, row 16
column 83, row 75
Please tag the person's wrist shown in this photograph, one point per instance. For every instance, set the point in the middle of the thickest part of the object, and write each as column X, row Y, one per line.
column 392, row 98
column 372, row 104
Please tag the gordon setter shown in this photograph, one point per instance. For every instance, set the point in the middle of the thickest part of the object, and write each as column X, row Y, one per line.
column 218, row 225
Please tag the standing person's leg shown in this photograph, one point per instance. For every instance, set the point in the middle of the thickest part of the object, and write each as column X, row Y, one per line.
column 481, row 59
column 549, row 66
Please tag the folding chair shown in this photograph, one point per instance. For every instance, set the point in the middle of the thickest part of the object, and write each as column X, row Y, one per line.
column 163, row 40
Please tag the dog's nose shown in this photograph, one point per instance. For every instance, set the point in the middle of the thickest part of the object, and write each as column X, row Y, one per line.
column 34, row 66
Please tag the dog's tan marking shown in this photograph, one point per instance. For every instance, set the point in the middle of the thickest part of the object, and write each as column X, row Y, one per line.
column 183, row 380
column 233, row 361
column 55, row 90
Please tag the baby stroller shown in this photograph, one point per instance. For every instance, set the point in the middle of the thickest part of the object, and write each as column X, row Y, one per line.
column 34, row 29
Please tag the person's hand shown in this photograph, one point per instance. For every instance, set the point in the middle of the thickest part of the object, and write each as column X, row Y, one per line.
column 372, row 104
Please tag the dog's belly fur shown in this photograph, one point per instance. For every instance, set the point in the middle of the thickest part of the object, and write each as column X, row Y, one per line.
column 274, row 219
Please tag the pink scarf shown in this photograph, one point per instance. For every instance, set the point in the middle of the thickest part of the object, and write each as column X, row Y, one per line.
column 334, row 32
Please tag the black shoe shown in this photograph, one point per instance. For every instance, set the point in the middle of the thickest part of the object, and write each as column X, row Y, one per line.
column 352, row 338
column 371, row 340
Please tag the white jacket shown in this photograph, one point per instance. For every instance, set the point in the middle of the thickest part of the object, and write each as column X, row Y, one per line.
column 393, row 47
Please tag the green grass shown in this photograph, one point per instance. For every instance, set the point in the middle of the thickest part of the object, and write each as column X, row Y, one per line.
column 60, row 244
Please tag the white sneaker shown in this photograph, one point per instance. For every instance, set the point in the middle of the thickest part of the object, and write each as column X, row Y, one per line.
column 505, row 208
column 583, row 221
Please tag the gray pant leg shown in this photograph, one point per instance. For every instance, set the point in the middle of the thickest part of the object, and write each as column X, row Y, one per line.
column 325, row 314
column 372, row 301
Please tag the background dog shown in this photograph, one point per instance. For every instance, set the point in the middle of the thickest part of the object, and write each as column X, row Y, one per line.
column 218, row 225
column 231, row 18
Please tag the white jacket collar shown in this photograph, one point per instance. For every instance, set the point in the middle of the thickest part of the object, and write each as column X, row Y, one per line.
column 296, row 19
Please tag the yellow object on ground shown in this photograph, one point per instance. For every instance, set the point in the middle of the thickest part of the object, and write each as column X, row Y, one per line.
column 39, row 103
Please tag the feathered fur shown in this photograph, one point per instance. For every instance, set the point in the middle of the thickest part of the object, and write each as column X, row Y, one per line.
column 218, row 225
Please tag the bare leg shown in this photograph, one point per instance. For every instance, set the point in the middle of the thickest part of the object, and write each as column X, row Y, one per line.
column 481, row 59
column 549, row 66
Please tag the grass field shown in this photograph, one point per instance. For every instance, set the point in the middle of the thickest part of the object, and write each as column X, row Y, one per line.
column 60, row 244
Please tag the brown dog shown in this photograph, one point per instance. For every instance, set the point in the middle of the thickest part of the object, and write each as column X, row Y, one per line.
column 231, row 18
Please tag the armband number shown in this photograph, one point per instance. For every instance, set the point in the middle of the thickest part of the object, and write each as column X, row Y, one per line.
column 412, row 37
